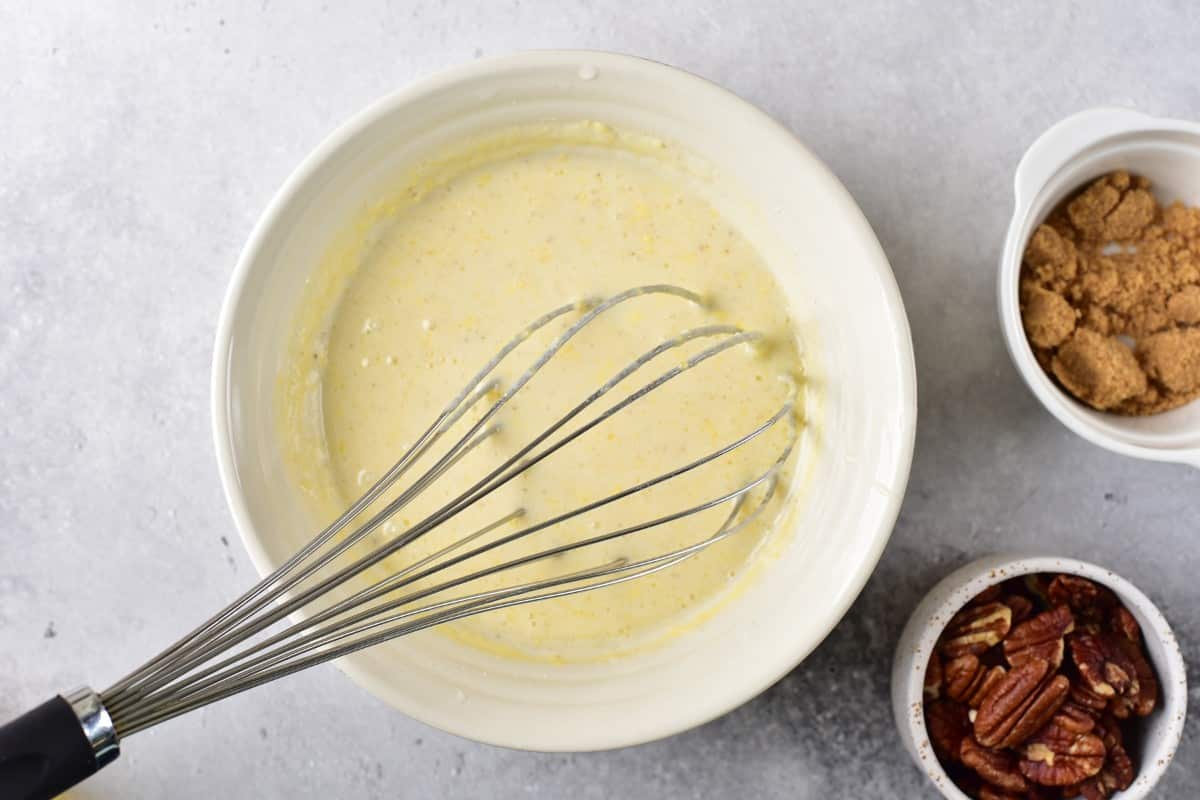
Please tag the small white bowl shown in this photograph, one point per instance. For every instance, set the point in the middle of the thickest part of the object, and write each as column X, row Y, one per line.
column 1063, row 159
column 1160, row 732
column 858, row 441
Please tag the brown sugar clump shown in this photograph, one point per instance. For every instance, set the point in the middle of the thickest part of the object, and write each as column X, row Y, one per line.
column 1184, row 306
column 1049, row 318
column 1051, row 257
column 1098, row 369
column 1116, row 207
column 1172, row 358
column 1110, row 297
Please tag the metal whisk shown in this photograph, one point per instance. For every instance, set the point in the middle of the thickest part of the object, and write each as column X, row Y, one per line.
column 252, row 641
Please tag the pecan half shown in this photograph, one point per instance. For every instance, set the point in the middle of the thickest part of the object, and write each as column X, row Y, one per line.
column 1109, row 732
column 1103, row 666
column 1116, row 775
column 1084, row 597
column 997, row 767
column 976, row 629
column 1020, row 704
column 1142, row 697
column 1040, row 637
column 948, row 725
column 1123, row 623
column 1058, row 756
column 1075, row 717
column 1086, row 698
column 968, row 680
column 1021, row 607
column 933, row 678
column 990, row 681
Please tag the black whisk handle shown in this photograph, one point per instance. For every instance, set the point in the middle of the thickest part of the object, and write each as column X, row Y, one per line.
column 51, row 748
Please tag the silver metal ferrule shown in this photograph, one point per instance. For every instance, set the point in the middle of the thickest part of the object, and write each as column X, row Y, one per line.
column 96, row 723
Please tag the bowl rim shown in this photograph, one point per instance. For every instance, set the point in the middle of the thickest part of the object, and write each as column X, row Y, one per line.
column 1063, row 143
column 957, row 589
column 897, row 471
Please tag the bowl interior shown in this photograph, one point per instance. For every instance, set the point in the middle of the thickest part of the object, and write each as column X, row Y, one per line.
column 1155, row 737
column 858, row 443
column 1171, row 160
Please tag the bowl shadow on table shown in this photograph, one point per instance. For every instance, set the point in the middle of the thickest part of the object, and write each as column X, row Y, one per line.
column 830, row 718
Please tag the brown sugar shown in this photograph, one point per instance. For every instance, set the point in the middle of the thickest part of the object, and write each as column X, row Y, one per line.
column 1049, row 318
column 1172, row 359
column 1098, row 369
column 1110, row 297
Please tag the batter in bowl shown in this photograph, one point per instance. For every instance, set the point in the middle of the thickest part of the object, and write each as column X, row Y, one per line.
column 423, row 289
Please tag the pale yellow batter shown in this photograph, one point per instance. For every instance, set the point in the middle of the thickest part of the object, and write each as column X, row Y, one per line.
column 423, row 289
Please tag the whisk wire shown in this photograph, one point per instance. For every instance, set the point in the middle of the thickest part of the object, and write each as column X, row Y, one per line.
column 463, row 607
column 457, row 406
column 203, row 666
column 191, row 655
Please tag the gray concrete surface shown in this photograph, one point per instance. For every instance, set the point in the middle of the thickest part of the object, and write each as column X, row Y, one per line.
column 138, row 143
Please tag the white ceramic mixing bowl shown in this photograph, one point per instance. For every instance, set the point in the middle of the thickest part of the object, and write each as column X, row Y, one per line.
column 1065, row 158
column 858, row 352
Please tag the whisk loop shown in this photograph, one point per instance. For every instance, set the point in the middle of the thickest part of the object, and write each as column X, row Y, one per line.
column 236, row 649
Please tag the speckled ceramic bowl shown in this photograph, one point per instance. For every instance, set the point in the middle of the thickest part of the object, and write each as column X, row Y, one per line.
column 1160, row 732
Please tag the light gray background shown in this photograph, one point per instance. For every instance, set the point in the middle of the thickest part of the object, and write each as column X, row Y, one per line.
column 139, row 142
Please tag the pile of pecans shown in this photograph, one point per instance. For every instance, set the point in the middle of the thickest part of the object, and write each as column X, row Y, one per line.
column 1029, row 687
